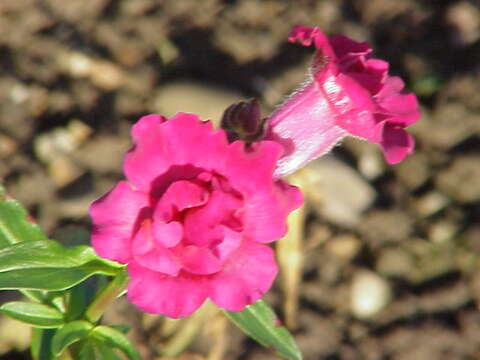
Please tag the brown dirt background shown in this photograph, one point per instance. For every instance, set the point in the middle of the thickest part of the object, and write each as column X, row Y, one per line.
column 74, row 75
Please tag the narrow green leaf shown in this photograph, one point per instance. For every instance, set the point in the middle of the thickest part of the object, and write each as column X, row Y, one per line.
column 116, row 339
column 47, row 265
column 41, row 343
column 69, row 334
column 15, row 226
column 46, row 253
column 77, row 300
column 35, row 314
column 87, row 352
column 105, row 352
column 260, row 323
column 14, row 223
column 44, row 279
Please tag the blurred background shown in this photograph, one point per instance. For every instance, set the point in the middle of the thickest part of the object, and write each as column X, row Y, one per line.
column 382, row 262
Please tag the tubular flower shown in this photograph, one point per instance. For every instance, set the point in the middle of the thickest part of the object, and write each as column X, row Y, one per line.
column 348, row 93
column 193, row 218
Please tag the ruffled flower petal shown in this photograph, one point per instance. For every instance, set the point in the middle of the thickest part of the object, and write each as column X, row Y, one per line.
column 200, row 260
column 173, row 296
column 265, row 215
column 115, row 216
column 245, row 279
column 175, row 149
column 147, row 254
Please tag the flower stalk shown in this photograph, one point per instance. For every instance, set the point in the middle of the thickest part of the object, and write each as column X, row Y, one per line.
column 107, row 296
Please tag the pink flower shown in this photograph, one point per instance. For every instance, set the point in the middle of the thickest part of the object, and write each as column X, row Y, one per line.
column 349, row 93
column 193, row 218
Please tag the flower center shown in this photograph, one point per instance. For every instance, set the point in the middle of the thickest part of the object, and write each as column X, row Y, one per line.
column 195, row 226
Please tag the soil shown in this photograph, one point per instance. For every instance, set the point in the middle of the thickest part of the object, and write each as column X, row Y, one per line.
column 75, row 75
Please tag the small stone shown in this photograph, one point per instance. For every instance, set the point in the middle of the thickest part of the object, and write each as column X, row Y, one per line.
column 442, row 231
column 380, row 227
column 336, row 191
column 430, row 203
column 449, row 125
column 63, row 171
column 371, row 163
column 104, row 154
column 78, row 132
column 394, row 262
column 464, row 17
column 414, row 171
column 370, row 293
column 106, row 75
column 14, row 334
column 461, row 181
column 431, row 260
column 344, row 247
column 207, row 102
column 8, row 146
column 19, row 93
column 79, row 65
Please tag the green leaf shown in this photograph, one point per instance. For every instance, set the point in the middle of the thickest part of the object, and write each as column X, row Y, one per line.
column 87, row 352
column 105, row 352
column 46, row 253
column 92, row 349
column 14, row 223
column 37, row 315
column 40, row 346
column 77, row 301
column 260, row 323
column 47, row 265
column 116, row 339
column 69, row 334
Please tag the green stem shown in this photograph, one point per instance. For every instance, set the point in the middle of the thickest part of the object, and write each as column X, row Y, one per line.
column 33, row 295
column 106, row 297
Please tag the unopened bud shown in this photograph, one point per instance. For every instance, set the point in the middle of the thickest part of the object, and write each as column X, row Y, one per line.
column 242, row 121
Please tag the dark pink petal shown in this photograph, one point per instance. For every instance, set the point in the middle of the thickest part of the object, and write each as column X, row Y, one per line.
column 357, row 116
column 378, row 69
column 148, row 156
column 167, row 234
column 230, row 242
column 177, row 148
column 265, row 212
column 194, row 142
column 180, row 195
column 401, row 107
column 308, row 36
column 396, row 143
column 369, row 82
column 201, row 224
column 245, row 279
column 153, row 257
column 114, row 217
column 303, row 35
column 344, row 46
column 261, row 156
column 173, row 296
column 200, row 260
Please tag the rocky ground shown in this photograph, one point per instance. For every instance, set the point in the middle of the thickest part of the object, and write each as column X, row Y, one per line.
column 387, row 258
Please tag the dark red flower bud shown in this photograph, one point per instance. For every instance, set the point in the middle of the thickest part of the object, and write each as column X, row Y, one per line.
column 242, row 121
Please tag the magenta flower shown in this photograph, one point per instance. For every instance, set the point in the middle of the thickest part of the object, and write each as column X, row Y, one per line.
column 349, row 93
column 193, row 218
